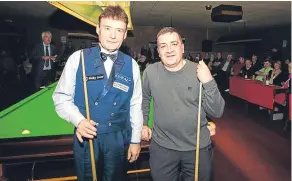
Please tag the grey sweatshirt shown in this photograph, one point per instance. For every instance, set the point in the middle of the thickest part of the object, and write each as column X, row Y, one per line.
column 176, row 100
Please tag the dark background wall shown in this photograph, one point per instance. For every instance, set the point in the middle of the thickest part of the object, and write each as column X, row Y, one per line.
column 272, row 38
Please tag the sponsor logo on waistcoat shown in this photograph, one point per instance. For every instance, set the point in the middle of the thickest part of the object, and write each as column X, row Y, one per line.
column 123, row 78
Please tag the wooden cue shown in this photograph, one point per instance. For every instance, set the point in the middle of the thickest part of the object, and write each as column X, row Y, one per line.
column 88, row 119
column 198, row 135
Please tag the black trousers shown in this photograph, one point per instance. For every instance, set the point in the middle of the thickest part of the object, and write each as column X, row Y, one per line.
column 110, row 153
column 222, row 80
column 171, row 165
column 44, row 79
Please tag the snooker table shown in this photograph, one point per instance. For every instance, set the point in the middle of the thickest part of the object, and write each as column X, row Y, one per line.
column 50, row 136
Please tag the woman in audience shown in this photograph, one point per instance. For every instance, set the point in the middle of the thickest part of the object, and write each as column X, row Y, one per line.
column 277, row 76
column 247, row 71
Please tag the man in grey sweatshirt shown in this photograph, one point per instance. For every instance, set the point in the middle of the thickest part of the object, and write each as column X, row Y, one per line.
column 174, row 85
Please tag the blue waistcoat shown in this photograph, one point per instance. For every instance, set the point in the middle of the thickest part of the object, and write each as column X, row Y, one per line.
column 108, row 98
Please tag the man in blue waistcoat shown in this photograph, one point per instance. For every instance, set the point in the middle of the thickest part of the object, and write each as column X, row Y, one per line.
column 114, row 98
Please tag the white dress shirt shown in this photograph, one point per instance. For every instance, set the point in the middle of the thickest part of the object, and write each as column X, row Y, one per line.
column 225, row 66
column 63, row 96
column 49, row 48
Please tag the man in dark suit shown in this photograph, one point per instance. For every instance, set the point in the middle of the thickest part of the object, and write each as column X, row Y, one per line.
column 256, row 64
column 224, row 71
column 44, row 57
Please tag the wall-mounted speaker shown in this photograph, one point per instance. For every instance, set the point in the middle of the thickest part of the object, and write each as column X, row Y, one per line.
column 207, row 45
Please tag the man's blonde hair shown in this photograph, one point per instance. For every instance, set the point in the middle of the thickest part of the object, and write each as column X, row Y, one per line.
column 169, row 30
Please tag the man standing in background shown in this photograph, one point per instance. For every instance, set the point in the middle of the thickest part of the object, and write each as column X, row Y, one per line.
column 44, row 58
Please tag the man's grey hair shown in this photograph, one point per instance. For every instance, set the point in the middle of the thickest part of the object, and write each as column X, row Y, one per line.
column 46, row 32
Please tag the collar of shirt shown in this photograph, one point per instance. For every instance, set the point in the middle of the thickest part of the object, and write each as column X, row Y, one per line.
column 46, row 45
column 108, row 64
column 106, row 51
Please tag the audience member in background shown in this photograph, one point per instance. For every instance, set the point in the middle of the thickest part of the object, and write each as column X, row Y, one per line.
column 27, row 66
column 198, row 57
column 83, row 45
column 211, row 62
column 68, row 50
column 256, row 64
column 190, row 57
column 142, row 62
column 287, row 83
column 222, row 77
column 206, row 58
column 43, row 58
column 155, row 53
column 286, row 64
column 145, row 50
column 264, row 72
column 238, row 66
column 247, row 71
column 125, row 49
column 277, row 76
column 216, row 62
column 288, row 61
column 7, row 64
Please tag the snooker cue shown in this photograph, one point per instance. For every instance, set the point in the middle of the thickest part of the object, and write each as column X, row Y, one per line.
column 88, row 119
column 198, row 135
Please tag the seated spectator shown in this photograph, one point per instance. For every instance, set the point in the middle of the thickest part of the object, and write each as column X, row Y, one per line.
column 277, row 76
column 198, row 57
column 216, row 63
column 285, row 65
column 211, row 62
column 206, row 58
column 238, row 66
column 280, row 98
column 247, row 71
column 287, row 83
column 264, row 72
column 256, row 64
column 189, row 57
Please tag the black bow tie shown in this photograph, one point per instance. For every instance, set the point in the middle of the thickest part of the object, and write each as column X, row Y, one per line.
column 104, row 56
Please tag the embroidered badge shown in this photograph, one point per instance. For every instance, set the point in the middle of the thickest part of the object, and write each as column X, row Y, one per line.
column 121, row 86
column 94, row 77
